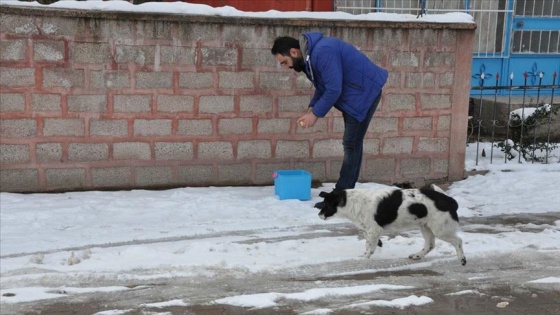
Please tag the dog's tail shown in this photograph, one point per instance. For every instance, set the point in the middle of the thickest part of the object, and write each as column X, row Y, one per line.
column 436, row 188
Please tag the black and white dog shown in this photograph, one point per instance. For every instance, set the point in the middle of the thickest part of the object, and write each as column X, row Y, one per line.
column 372, row 211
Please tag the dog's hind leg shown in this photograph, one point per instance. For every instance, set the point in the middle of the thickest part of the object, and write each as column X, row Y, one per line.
column 429, row 243
column 457, row 242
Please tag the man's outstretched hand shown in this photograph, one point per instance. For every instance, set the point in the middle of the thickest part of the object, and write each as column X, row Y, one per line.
column 308, row 119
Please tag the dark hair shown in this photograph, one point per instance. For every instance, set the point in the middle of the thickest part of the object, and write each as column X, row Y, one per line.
column 283, row 44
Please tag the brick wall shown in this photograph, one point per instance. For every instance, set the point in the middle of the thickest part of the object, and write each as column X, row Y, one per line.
column 100, row 100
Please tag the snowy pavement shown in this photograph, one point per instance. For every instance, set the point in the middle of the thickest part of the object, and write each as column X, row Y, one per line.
column 241, row 250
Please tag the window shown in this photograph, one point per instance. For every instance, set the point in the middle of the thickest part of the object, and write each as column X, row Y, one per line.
column 541, row 42
column 548, row 8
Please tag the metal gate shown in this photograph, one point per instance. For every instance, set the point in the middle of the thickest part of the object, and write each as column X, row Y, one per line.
column 512, row 37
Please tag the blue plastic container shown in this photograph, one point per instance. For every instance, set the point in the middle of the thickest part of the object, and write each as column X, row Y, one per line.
column 292, row 184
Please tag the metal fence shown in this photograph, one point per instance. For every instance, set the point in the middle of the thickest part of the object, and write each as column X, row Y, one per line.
column 489, row 15
column 527, row 130
column 493, row 17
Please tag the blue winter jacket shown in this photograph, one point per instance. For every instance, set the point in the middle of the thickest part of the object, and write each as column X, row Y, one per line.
column 343, row 76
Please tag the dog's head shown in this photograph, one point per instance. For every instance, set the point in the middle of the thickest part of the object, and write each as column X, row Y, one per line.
column 331, row 201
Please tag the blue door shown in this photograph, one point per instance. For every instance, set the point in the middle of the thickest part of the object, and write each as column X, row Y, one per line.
column 526, row 42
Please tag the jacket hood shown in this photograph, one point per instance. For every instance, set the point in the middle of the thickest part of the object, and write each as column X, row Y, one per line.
column 307, row 41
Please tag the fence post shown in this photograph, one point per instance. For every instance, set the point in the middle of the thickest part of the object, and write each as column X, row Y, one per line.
column 507, row 145
column 536, row 121
column 522, row 117
column 550, row 118
column 494, row 118
column 479, row 116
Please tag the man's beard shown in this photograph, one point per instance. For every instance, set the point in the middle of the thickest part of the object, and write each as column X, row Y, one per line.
column 298, row 64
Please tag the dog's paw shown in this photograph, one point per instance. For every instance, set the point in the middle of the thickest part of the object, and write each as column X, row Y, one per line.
column 320, row 205
column 415, row 257
column 366, row 254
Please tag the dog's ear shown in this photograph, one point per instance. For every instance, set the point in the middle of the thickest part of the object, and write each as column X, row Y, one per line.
column 323, row 194
column 320, row 205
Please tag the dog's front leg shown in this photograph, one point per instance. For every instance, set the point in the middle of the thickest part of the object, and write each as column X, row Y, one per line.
column 372, row 238
column 368, row 244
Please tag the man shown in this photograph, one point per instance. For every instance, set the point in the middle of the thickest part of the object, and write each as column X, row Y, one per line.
column 344, row 78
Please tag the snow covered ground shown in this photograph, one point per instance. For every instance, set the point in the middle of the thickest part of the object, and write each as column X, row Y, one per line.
column 56, row 246
column 206, row 246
